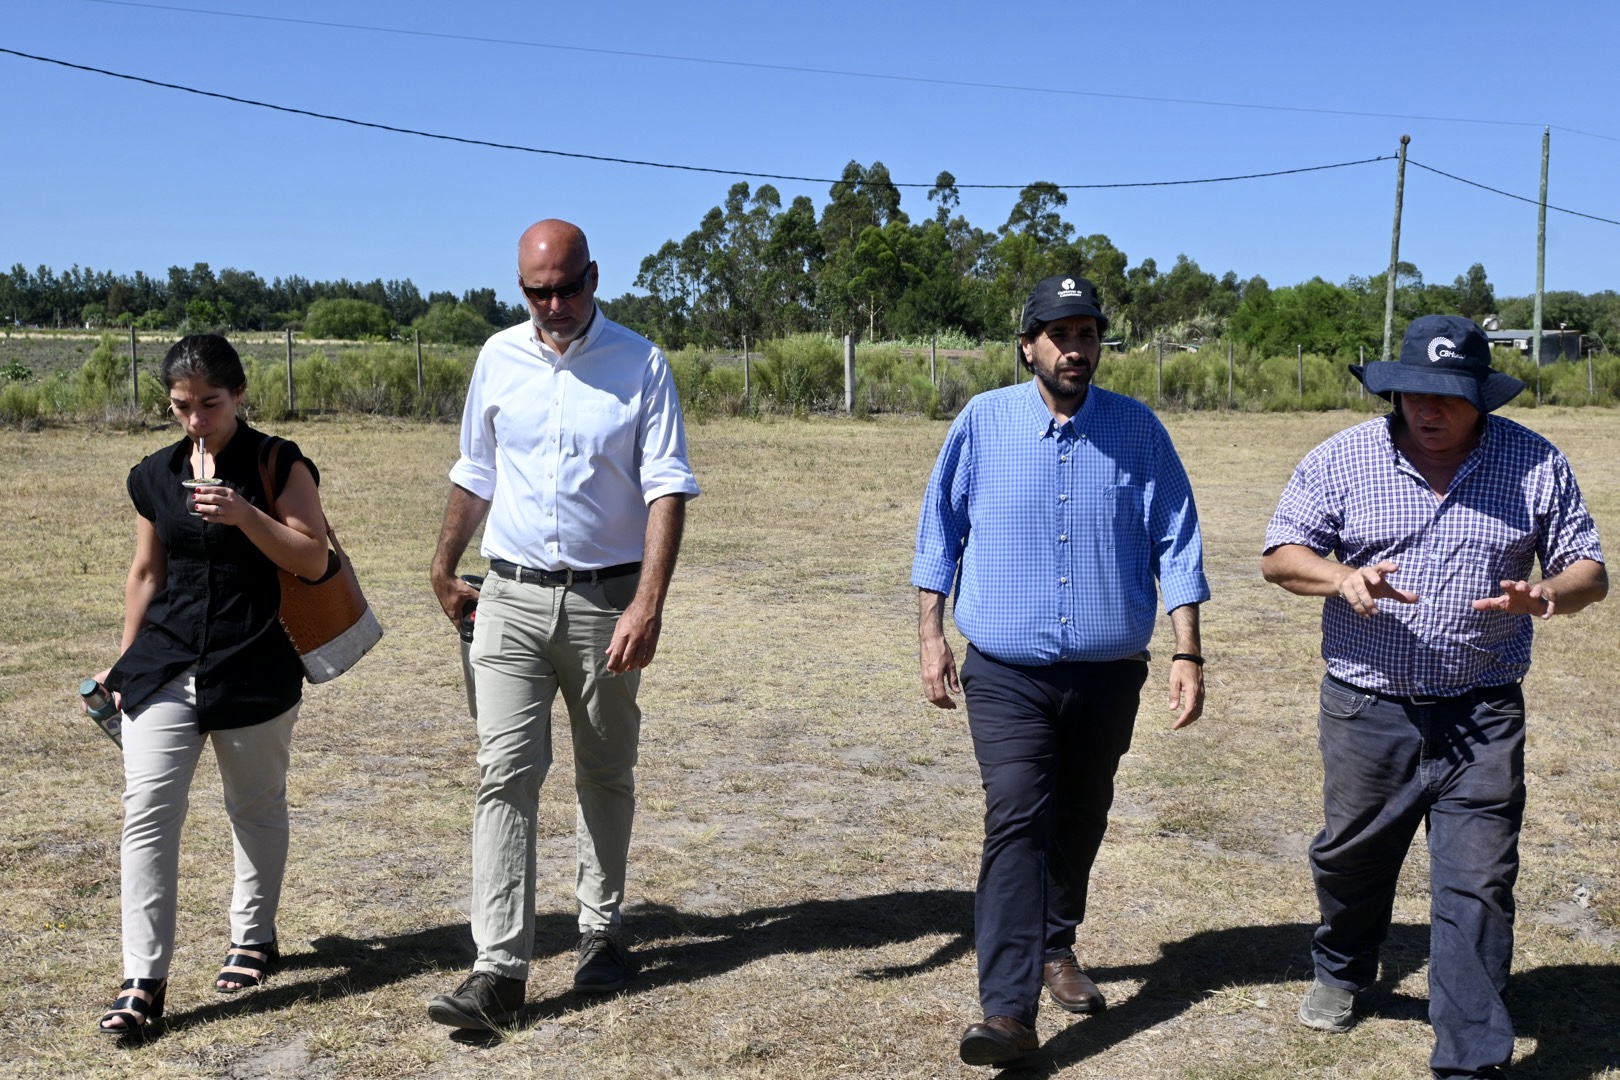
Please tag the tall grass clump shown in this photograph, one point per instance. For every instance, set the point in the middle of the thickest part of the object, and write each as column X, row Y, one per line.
column 801, row 373
column 707, row 388
column 378, row 379
column 103, row 383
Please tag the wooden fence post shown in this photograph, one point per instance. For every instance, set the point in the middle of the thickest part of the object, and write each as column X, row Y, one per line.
column 1300, row 353
column 291, row 407
column 417, row 334
column 134, row 373
column 1228, row 374
column 748, row 387
column 1158, row 391
column 933, row 361
column 849, row 373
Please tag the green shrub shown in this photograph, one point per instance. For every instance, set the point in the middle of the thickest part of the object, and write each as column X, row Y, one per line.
column 21, row 404
column 801, row 373
column 352, row 320
column 104, row 378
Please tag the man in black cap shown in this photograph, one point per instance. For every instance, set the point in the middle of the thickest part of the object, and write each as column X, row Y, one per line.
column 1433, row 516
column 1053, row 508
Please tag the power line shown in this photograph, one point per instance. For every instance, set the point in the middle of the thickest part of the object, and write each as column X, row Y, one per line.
column 714, row 170
column 649, row 164
column 836, row 72
column 1509, row 194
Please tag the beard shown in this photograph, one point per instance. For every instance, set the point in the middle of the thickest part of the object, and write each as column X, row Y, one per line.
column 1071, row 385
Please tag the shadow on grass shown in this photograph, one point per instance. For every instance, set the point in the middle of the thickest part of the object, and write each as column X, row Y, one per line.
column 1570, row 1010
column 669, row 946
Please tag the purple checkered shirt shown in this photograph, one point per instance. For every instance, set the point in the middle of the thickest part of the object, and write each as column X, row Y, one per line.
column 1357, row 498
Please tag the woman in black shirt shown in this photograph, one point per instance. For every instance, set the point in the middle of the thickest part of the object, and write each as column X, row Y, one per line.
column 205, row 660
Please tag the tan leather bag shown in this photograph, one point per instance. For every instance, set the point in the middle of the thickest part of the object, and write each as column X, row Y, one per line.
column 327, row 620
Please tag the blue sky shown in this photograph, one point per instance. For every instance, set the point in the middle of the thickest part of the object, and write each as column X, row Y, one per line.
column 119, row 176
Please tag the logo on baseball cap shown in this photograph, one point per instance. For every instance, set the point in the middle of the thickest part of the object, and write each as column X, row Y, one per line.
column 1058, row 297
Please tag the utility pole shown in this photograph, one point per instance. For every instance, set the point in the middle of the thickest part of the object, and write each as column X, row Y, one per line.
column 1541, row 258
column 1394, row 250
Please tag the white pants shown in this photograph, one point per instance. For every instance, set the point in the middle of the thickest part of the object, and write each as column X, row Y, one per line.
column 161, row 748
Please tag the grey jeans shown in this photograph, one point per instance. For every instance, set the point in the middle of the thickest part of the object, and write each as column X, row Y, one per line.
column 530, row 642
column 161, row 749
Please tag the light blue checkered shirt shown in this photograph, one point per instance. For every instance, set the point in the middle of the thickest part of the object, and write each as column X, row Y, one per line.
column 1514, row 500
column 1053, row 534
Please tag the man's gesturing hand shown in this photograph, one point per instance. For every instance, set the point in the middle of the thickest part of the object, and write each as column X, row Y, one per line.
column 1363, row 587
column 1520, row 598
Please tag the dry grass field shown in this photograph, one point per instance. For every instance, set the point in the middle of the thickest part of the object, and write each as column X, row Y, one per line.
column 802, row 871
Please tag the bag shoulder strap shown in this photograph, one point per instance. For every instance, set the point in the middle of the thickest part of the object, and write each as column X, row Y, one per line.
column 269, row 451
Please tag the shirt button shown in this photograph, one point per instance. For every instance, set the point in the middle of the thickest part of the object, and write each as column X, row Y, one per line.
column 1063, row 457
column 1064, row 497
column 1063, row 538
column 1064, row 619
column 1063, row 581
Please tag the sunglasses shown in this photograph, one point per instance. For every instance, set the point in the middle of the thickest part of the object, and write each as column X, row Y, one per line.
column 541, row 294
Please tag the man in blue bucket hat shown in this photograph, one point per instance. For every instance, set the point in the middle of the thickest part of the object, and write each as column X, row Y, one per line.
column 1432, row 517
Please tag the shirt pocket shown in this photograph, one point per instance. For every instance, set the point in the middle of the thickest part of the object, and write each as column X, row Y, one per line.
column 1122, row 531
column 601, row 426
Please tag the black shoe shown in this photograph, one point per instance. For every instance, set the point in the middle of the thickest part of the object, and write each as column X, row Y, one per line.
column 603, row 964
column 139, row 1005
column 483, row 1002
column 1000, row 1040
column 247, row 966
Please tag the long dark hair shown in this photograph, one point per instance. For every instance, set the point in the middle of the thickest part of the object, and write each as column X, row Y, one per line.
column 204, row 356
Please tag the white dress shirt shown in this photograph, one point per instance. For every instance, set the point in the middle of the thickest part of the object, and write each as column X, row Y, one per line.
column 571, row 449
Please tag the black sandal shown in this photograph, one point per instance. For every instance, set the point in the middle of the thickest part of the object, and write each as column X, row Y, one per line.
column 247, row 966
column 137, row 1012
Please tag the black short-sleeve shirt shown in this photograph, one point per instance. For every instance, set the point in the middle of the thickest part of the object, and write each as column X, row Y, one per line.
column 218, row 608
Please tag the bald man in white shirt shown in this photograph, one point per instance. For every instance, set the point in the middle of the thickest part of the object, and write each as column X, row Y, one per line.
column 572, row 447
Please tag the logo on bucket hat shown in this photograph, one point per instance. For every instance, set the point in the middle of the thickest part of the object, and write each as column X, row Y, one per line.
column 1443, row 349
column 1058, row 297
column 1446, row 355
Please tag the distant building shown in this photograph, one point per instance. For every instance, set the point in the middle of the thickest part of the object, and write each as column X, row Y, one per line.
column 1555, row 344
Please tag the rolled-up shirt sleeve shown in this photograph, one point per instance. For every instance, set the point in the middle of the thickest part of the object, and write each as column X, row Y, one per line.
column 942, row 526
column 1568, row 532
column 665, row 469
column 1305, row 514
column 1178, row 545
column 475, row 469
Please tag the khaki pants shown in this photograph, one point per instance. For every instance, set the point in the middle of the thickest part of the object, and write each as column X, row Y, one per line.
column 161, row 748
column 530, row 642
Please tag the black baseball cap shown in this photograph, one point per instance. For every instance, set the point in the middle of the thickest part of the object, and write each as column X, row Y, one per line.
column 1060, row 296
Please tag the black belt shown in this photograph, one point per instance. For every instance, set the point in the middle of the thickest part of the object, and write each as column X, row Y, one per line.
column 1467, row 697
column 529, row 576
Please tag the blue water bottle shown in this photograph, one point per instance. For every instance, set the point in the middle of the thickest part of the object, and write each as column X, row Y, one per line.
column 102, row 710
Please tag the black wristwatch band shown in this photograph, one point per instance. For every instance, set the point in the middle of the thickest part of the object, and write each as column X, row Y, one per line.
column 1194, row 657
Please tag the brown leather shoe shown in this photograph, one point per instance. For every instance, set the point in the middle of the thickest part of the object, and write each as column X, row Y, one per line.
column 1000, row 1040
column 1072, row 988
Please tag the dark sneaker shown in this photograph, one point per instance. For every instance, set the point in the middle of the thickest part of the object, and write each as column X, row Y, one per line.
column 1328, row 1008
column 603, row 964
column 483, row 1002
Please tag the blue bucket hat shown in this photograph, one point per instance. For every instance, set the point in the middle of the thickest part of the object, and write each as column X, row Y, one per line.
column 1446, row 355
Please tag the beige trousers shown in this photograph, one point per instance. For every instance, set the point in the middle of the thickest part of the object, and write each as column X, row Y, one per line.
column 530, row 642
column 161, row 749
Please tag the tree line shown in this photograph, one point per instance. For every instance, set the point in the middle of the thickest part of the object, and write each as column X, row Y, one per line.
column 756, row 269
column 861, row 265
column 199, row 299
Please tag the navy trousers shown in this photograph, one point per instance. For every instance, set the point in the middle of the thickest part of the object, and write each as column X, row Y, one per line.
column 1455, row 765
column 1048, row 740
